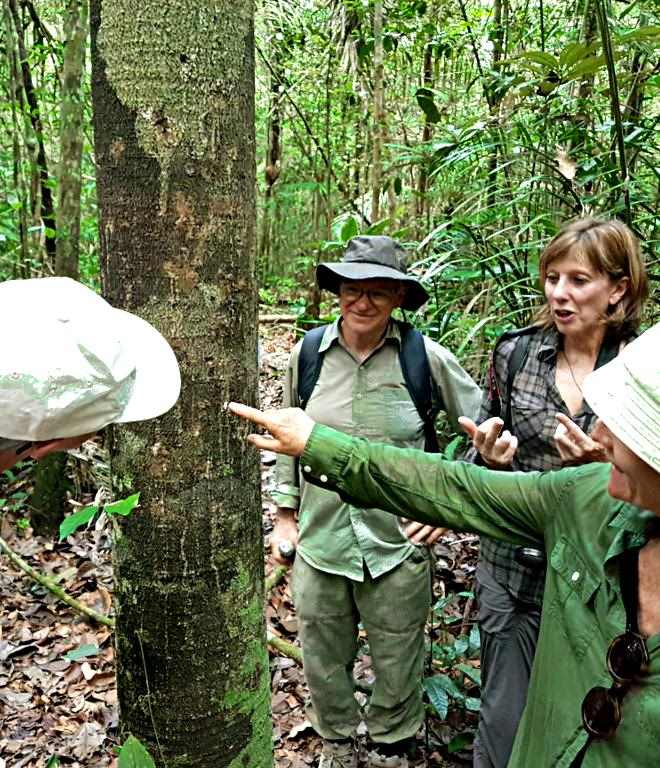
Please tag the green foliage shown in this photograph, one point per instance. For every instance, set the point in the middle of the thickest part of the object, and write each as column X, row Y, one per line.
column 82, row 652
column 455, row 685
column 123, row 507
column 133, row 754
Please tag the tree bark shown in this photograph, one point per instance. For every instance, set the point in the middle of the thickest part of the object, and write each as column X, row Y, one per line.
column 173, row 96
column 379, row 112
column 71, row 140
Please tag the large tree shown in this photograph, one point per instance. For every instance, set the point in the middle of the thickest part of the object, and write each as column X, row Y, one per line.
column 173, row 96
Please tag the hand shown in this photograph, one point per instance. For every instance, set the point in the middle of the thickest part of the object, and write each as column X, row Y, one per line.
column 574, row 445
column 40, row 450
column 497, row 450
column 419, row 533
column 285, row 529
column 289, row 428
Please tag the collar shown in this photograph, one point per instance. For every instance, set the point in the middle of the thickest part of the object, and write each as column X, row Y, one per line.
column 631, row 525
column 332, row 334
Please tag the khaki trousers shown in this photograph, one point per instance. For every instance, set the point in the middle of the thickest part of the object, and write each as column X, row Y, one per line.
column 393, row 610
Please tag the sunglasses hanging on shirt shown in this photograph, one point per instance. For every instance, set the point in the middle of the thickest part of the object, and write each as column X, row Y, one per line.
column 627, row 658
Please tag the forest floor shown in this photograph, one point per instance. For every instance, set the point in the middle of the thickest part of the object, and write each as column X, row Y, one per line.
column 58, row 700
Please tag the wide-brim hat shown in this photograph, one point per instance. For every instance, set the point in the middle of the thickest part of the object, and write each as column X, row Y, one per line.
column 625, row 395
column 70, row 363
column 373, row 256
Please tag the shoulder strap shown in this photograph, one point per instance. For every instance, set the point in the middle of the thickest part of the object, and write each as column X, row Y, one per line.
column 516, row 362
column 419, row 382
column 310, row 362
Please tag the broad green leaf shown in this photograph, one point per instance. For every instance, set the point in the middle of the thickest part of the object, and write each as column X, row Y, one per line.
column 447, row 684
column 71, row 523
column 470, row 672
column 82, row 652
column 573, row 53
column 546, row 60
column 133, row 754
column 2, row 503
column 461, row 645
column 460, row 741
column 53, row 762
column 349, row 229
column 587, row 67
column 437, row 696
column 651, row 33
column 475, row 640
column 425, row 100
column 472, row 703
column 378, row 227
column 123, row 506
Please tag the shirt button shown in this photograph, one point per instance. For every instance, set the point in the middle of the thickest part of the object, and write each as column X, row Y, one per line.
column 307, row 468
column 323, row 478
column 575, row 576
column 359, row 396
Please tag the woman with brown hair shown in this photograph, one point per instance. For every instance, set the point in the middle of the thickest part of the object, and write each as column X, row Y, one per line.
column 595, row 285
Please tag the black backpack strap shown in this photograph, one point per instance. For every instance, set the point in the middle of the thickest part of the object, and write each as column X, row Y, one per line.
column 419, row 382
column 516, row 362
column 310, row 362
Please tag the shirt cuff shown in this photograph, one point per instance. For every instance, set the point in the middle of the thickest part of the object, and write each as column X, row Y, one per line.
column 325, row 456
column 285, row 495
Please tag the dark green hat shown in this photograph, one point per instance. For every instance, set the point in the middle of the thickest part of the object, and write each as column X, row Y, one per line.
column 368, row 257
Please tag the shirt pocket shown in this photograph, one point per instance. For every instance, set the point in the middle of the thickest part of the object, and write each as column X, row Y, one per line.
column 572, row 602
column 392, row 416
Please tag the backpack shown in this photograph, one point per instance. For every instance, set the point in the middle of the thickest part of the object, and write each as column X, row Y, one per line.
column 414, row 366
column 515, row 363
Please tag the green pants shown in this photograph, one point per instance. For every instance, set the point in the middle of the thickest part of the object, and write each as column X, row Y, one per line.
column 393, row 610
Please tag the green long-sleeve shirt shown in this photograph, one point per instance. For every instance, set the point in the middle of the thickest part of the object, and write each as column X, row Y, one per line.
column 584, row 531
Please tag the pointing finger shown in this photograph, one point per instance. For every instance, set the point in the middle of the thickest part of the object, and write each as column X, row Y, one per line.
column 248, row 413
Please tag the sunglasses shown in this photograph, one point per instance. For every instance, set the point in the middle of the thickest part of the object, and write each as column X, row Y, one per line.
column 627, row 658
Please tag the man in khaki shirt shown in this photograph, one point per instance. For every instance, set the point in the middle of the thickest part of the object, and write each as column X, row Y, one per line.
column 357, row 565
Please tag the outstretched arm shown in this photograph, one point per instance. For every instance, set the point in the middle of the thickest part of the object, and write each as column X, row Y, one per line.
column 508, row 506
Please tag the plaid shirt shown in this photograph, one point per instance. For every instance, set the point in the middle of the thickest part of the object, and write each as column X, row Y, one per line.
column 534, row 402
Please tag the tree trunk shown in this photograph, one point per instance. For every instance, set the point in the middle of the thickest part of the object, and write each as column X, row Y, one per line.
column 173, row 95
column 71, row 140
column 379, row 112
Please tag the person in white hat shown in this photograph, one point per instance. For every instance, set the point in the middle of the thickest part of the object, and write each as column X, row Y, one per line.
column 72, row 365
column 594, row 699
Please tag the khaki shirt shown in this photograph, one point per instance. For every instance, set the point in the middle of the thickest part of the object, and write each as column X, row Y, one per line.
column 367, row 399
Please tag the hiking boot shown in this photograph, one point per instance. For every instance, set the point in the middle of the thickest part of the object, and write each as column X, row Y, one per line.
column 338, row 754
column 376, row 760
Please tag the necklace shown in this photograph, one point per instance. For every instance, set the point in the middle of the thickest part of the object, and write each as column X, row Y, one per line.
column 570, row 368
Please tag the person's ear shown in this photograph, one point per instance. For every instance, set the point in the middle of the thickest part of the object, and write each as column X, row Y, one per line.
column 619, row 290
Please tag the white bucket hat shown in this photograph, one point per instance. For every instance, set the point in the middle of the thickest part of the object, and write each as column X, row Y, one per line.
column 625, row 394
column 70, row 363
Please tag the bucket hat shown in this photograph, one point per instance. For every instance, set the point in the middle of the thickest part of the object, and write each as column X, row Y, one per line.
column 372, row 256
column 625, row 395
column 70, row 363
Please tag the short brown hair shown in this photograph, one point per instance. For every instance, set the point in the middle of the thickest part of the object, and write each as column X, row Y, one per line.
column 609, row 247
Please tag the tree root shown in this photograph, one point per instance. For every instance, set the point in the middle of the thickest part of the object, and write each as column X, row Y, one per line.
column 54, row 588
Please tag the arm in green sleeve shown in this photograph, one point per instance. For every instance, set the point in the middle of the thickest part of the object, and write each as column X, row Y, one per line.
column 460, row 395
column 510, row 506
column 287, row 492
